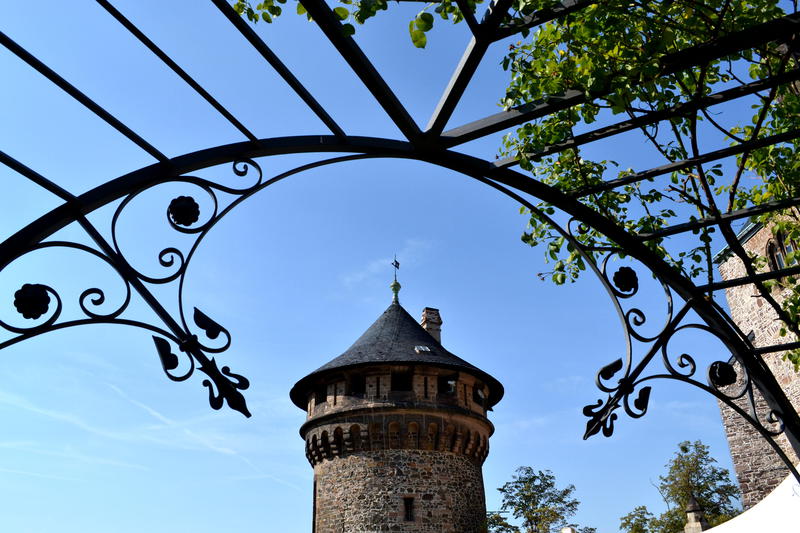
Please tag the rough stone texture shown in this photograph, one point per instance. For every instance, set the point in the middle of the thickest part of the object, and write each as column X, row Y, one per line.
column 364, row 492
column 758, row 468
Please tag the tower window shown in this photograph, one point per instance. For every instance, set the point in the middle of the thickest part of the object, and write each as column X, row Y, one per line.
column 320, row 394
column 358, row 385
column 447, row 385
column 408, row 509
column 402, row 381
column 478, row 396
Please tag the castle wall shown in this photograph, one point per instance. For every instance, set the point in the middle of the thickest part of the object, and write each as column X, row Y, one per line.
column 758, row 468
column 365, row 492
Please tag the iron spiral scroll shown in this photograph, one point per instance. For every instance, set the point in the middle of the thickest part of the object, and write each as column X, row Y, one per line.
column 627, row 381
column 182, row 345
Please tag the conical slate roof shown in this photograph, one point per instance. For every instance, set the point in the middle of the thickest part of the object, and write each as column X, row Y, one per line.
column 692, row 505
column 392, row 339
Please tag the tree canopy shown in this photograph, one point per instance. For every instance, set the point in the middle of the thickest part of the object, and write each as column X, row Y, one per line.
column 691, row 471
column 534, row 498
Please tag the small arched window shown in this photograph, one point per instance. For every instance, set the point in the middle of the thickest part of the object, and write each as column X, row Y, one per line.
column 412, row 436
column 780, row 252
column 394, row 435
column 338, row 441
column 775, row 256
column 355, row 436
column 789, row 248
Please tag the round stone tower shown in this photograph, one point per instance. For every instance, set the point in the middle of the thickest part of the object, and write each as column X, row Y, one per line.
column 397, row 432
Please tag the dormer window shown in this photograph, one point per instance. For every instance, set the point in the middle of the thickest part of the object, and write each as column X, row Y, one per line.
column 421, row 349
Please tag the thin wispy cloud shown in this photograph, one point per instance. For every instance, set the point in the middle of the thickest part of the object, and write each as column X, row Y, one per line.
column 17, row 444
column 37, row 474
column 152, row 412
column 409, row 255
column 67, row 453
column 260, row 474
column 134, row 435
column 18, row 402
column 169, row 423
column 205, row 442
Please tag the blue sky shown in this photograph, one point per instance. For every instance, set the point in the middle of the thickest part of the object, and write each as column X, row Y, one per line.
column 96, row 439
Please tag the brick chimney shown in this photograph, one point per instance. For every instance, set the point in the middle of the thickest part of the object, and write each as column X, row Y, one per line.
column 432, row 323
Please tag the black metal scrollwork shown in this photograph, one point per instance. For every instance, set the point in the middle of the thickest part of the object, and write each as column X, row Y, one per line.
column 182, row 347
column 41, row 303
column 626, row 383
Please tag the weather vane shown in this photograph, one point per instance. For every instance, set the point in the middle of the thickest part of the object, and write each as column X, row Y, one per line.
column 395, row 285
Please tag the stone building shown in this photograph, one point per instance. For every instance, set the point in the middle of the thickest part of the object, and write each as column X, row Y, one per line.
column 397, row 432
column 758, row 468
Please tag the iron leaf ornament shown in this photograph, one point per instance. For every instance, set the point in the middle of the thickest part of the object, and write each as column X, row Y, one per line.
column 227, row 386
column 608, row 371
column 211, row 328
column 223, row 385
column 600, row 418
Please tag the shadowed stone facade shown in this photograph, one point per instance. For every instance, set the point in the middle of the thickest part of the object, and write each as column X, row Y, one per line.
column 758, row 468
column 397, row 433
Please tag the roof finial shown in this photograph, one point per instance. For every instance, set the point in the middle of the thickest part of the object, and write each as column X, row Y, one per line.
column 395, row 286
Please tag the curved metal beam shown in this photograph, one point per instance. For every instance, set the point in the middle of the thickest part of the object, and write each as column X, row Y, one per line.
column 468, row 165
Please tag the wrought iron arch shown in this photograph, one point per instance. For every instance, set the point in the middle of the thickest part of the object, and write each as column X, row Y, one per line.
column 630, row 391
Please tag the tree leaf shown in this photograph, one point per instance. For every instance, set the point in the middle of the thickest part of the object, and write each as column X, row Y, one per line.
column 341, row 12
column 424, row 21
column 418, row 38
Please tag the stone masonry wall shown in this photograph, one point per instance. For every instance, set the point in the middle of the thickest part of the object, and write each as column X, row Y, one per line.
column 365, row 492
column 758, row 468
